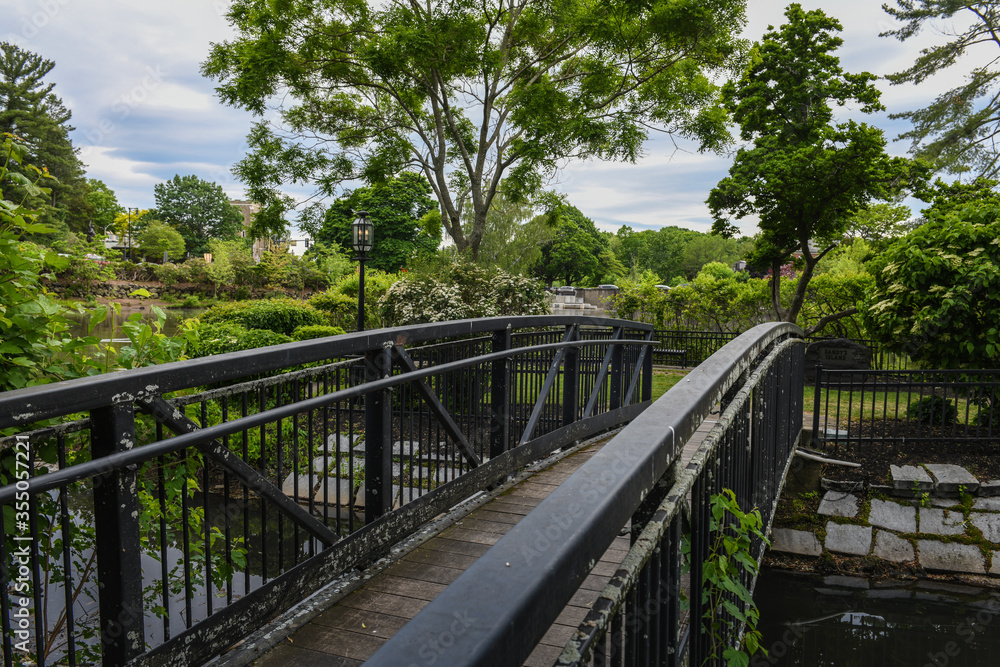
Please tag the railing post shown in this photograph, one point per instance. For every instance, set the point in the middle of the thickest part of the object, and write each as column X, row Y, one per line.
column 116, row 525
column 571, row 380
column 500, row 395
column 378, row 437
column 647, row 376
column 819, row 373
column 616, row 378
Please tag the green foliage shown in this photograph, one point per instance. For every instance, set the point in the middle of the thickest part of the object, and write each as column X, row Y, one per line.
column 950, row 197
column 158, row 238
column 396, row 208
column 937, row 291
column 342, row 310
column 704, row 249
column 805, row 175
column 956, row 130
column 513, row 238
column 103, row 204
column 461, row 291
column 210, row 338
column 933, row 410
column 378, row 89
column 640, row 300
column 880, row 223
column 831, row 295
column 35, row 346
column 578, row 254
column 281, row 316
column 199, row 210
column 316, row 331
column 728, row 604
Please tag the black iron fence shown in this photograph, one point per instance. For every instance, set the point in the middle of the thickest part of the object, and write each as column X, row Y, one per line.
column 510, row 597
column 859, row 410
column 154, row 516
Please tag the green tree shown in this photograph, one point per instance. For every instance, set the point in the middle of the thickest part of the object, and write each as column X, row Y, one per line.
column 513, row 239
column 198, row 209
column 396, row 207
column 32, row 112
column 103, row 204
column 704, row 249
column 944, row 197
column 660, row 251
column 804, row 176
column 879, row 223
column 474, row 95
column 158, row 238
column 576, row 251
column 937, row 290
column 958, row 130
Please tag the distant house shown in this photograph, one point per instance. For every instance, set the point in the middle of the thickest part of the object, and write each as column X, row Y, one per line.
column 298, row 247
column 249, row 209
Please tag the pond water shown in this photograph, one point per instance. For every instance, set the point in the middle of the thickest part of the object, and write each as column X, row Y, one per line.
column 817, row 621
column 107, row 330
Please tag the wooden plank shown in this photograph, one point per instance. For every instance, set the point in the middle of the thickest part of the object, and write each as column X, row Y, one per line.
column 445, row 559
column 496, row 516
column 289, row 655
column 425, row 572
column 463, row 534
column 363, row 621
column 543, row 656
column 411, row 588
column 383, row 603
column 463, row 547
column 484, row 525
column 350, row 645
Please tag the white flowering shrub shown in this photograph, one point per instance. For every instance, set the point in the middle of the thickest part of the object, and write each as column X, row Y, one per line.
column 461, row 291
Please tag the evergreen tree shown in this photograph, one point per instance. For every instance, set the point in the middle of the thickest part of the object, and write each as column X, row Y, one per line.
column 31, row 111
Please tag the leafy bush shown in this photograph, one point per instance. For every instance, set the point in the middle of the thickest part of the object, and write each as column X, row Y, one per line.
column 316, row 331
column 278, row 315
column 342, row 310
column 206, row 339
column 933, row 410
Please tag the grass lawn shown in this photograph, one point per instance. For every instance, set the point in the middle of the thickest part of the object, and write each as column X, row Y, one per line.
column 664, row 379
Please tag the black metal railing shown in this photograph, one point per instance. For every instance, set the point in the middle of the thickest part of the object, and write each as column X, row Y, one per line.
column 154, row 516
column 855, row 411
column 511, row 596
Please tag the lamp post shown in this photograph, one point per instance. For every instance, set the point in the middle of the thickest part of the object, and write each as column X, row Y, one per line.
column 362, row 238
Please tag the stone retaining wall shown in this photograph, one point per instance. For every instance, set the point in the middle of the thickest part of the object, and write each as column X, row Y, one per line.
column 942, row 526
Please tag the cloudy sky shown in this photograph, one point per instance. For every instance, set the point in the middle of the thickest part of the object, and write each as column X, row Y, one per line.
column 129, row 72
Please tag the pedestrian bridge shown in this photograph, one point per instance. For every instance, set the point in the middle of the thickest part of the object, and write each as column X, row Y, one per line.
column 200, row 510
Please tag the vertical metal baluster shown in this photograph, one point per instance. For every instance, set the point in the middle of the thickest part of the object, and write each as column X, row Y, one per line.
column 164, row 568
column 206, row 517
column 66, row 528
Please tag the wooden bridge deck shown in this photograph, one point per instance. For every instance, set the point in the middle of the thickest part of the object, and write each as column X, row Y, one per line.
column 350, row 630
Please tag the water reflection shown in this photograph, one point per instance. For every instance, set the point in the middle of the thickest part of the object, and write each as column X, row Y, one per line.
column 817, row 621
column 106, row 331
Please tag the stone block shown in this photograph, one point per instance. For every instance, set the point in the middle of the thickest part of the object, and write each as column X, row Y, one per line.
column 938, row 521
column 406, row 495
column 835, row 503
column 335, row 491
column 848, row 539
column 338, row 442
column 892, row 548
column 990, row 488
column 943, row 502
column 990, row 504
column 995, row 565
column 910, row 478
column 305, row 491
column 989, row 524
column 359, row 497
column 893, row 516
column 405, row 448
column 800, row 542
column 950, row 557
column 846, row 582
column 948, row 478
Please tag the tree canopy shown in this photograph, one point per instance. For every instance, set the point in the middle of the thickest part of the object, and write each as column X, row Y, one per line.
column 937, row 290
column 396, row 207
column 958, row 131
column 198, row 209
column 805, row 175
column 473, row 95
column 32, row 112
column 578, row 253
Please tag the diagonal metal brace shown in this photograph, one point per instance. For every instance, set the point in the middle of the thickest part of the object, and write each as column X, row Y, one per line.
column 439, row 410
column 637, row 369
column 572, row 332
column 177, row 422
column 599, row 381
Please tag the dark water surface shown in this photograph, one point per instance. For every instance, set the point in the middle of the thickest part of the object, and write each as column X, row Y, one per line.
column 817, row 621
column 112, row 330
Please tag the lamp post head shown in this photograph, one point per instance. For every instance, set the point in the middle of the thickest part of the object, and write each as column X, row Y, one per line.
column 362, row 233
